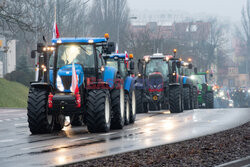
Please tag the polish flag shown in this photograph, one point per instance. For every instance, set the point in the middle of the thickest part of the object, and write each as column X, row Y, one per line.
column 55, row 31
column 126, row 58
column 74, row 84
column 116, row 48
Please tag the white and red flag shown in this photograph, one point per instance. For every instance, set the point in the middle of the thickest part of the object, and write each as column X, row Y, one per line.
column 55, row 31
column 126, row 58
column 74, row 84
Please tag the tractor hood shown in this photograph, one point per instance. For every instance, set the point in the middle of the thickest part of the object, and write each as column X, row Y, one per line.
column 65, row 74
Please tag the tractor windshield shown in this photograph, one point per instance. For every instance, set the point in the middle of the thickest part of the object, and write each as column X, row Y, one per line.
column 201, row 79
column 114, row 63
column 73, row 53
column 157, row 65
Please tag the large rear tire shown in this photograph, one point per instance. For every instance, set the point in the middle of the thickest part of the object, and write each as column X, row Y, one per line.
column 175, row 99
column 195, row 98
column 140, row 106
column 186, row 95
column 76, row 120
column 59, row 122
column 127, row 111
column 98, row 112
column 132, row 106
column 39, row 119
column 118, row 108
column 209, row 100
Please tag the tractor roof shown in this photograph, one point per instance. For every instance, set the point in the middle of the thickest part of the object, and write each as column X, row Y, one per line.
column 79, row 40
column 119, row 55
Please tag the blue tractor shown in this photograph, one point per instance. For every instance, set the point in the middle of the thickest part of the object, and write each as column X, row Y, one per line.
column 73, row 81
column 123, row 100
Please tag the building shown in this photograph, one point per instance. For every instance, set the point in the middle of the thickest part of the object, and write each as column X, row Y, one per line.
column 7, row 56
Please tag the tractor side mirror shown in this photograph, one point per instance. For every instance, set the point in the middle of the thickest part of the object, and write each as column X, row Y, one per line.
column 131, row 65
column 195, row 70
column 178, row 64
column 33, row 54
column 111, row 47
column 40, row 47
column 190, row 66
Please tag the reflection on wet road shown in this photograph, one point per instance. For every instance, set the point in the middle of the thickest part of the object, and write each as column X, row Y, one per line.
column 19, row 148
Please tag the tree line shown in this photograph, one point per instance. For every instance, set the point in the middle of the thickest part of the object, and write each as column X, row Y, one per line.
column 29, row 20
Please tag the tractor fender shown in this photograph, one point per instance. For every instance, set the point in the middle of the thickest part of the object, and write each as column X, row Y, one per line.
column 42, row 85
column 184, row 80
column 109, row 75
column 129, row 84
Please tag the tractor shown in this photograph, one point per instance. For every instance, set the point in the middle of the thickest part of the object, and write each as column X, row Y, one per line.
column 157, row 84
column 189, row 87
column 205, row 91
column 73, row 81
column 124, row 66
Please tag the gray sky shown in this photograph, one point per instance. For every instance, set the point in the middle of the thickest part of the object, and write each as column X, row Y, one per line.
column 228, row 9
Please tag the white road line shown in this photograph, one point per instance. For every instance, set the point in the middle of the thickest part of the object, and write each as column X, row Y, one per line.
column 82, row 138
column 132, row 129
column 21, row 124
column 7, row 119
column 106, row 134
column 1, row 121
column 150, row 124
column 6, row 140
column 16, row 119
column 23, row 117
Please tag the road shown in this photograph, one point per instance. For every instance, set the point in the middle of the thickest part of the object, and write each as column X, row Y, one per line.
column 19, row 148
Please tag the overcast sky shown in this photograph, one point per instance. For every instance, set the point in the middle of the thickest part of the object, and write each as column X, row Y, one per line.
column 228, row 9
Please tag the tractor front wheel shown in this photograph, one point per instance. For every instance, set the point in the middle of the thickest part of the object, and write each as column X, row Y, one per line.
column 39, row 119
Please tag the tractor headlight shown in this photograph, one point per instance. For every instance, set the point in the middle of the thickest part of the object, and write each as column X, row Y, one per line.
column 192, row 77
column 248, row 91
column 221, row 94
column 59, row 83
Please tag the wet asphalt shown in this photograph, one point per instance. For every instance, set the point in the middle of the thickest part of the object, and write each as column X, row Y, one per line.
column 73, row 144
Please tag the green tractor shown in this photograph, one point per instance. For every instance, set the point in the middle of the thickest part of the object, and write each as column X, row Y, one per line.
column 205, row 91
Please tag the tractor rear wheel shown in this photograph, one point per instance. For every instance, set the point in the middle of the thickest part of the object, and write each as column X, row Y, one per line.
column 39, row 119
column 127, row 112
column 59, row 122
column 76, row 120
column 175, row 99
column 186, row 95
column 98, row 113
column 195, row 97
column 209, row 100
column 140, row 106
column 132, row 106
column 118, row 108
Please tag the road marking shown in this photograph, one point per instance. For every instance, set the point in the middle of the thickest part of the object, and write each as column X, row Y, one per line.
column 106, row 134
column 150, row 124
column 132, row 129
column 1, row 121
column 6, row 140
column 21, row 124
column 16, row 119
column 82, row 138
column 23, row 117
column 7, row 119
